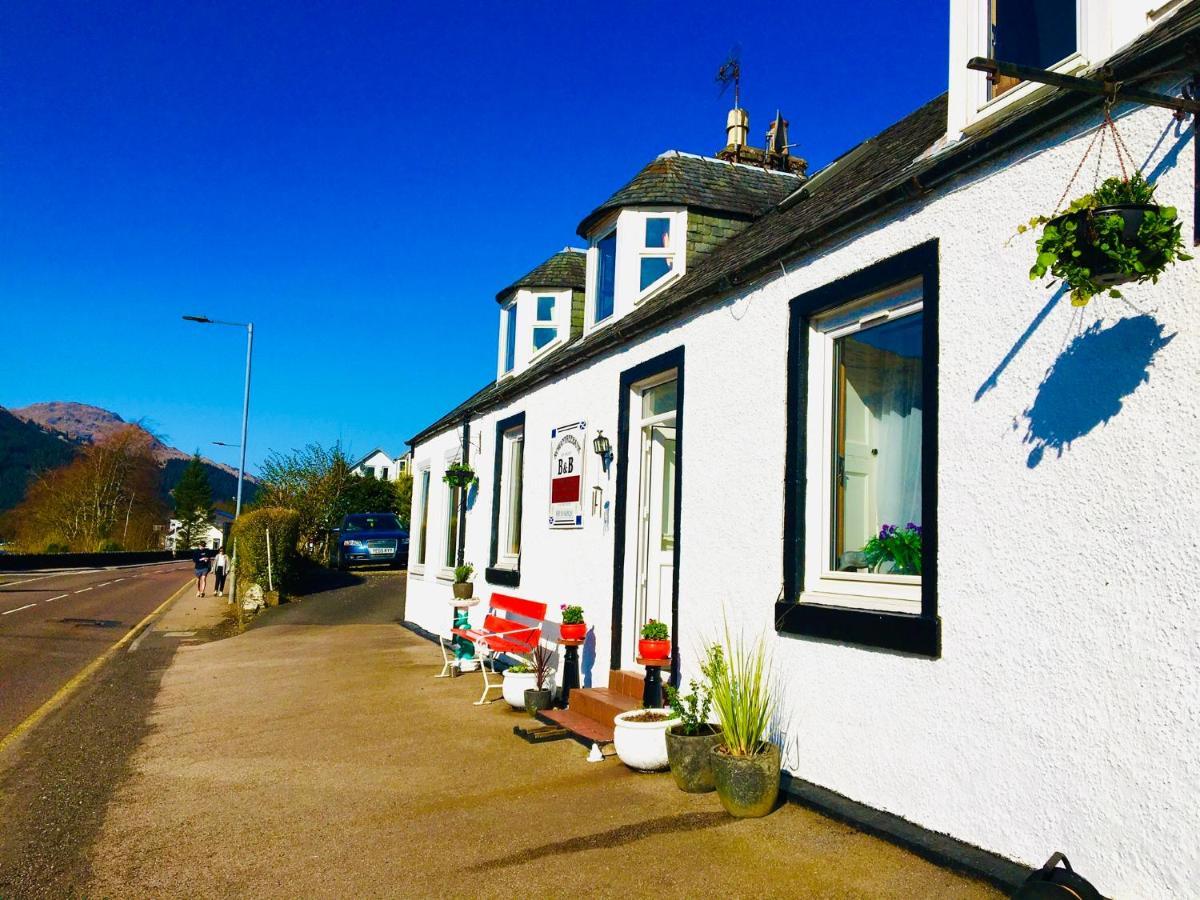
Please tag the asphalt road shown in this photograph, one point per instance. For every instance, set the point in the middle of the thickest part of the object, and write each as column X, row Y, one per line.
column 53, row 625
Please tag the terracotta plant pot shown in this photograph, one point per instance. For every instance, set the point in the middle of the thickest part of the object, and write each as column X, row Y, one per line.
column 747, row 785
column 576, row 632
column 536, row 700
column 654, row 649
column 690, row 756
column 463, row 590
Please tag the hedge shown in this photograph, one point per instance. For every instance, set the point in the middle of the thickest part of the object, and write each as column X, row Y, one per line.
column 249, row 539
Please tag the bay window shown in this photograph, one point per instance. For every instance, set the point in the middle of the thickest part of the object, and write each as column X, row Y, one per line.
column 657, row 257
column 606, row 276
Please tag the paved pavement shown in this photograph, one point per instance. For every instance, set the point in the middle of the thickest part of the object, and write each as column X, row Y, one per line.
column 52, row 625
column 316, row 756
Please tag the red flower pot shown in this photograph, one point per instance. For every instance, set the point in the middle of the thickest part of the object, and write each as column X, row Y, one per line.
column 576, row 632
column 654, row 649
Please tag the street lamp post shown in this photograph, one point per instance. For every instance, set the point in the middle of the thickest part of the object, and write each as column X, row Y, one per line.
column 249, row 326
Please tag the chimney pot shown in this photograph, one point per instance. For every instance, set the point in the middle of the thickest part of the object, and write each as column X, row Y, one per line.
column 737, row 128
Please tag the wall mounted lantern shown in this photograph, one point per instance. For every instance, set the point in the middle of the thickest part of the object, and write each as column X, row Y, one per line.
column 603, row 448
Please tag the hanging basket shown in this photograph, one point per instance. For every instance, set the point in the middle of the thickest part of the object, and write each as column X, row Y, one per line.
column 459, row 475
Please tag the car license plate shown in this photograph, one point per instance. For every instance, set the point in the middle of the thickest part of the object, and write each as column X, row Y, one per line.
column 381, row 550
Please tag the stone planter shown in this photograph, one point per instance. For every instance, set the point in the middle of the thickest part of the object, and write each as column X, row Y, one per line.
column 514, row 686
column 463, row 590
column 536, row 701
column 642, row 745
column 747, row 785
column 690, row 756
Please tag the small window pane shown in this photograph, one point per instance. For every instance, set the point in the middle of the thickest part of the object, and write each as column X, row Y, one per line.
column 606, row 276
column 659, row 399
column 877, row 439
column 543, row 336
column 512, row 542
column 654, row 268
column 510, row 338
column 545, row 309
column 1035, row 33
column 658, row 233
column 667, row 538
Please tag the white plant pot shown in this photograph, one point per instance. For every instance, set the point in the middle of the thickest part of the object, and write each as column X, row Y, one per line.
column 642, row 745
column 514, row 685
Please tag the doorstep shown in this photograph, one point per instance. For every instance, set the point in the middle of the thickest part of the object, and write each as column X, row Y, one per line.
column 591, row 711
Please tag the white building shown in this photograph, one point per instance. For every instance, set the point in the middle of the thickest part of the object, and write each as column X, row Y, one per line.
column 862, row 349
column 213, row 537
column 378, row 464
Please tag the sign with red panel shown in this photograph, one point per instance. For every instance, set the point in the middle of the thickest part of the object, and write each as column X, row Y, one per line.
column 568, row 445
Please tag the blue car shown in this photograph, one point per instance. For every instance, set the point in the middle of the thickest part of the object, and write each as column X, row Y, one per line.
column 372, row 538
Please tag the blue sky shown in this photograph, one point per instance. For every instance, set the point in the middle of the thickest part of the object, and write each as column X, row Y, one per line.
column 359, row 179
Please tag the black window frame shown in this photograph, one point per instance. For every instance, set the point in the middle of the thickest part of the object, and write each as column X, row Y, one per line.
column 494, row 574
column 918, row 634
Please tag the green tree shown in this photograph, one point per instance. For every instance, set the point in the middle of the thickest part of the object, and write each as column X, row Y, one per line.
column 404, row 489
column 193, row 504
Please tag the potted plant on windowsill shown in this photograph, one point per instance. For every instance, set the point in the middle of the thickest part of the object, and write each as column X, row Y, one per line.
column 1115, row 235
column 897, row 548
column 654, row 643
column 745, row 765
column 690, row 742
column 462, row 587
column 573, row 627
column 541, row 695
column 640, row 738
column 459, row 475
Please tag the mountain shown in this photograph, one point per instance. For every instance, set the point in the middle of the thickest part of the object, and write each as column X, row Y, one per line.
column 45, row 435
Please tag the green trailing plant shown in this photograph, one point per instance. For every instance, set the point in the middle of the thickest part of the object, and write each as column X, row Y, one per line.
column 1082, row 245
column 655, row 630
column 692, row 709
column 899, row 546
column 463, row 573
column 572, row 615
column 459, row 475
column 738, row 673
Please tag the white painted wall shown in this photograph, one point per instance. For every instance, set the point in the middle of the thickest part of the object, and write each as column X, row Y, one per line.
column 1063, row 713
column 379, row 461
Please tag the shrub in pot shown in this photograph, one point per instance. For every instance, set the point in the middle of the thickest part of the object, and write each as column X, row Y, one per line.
column 654, row 643
column 462, row 587
column 1115, row 235
column 640, row 738
column 690, row 742
column 745, row 765
column 541, row 695
column 517, row 680
column 573, row 627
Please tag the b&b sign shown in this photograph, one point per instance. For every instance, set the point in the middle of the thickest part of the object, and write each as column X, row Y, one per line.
column 567, row 456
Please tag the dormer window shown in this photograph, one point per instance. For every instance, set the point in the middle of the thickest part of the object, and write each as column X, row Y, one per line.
column 1038, row 33
column 656, row 255
column 545, row 331
column 510, row 337
column 606, row 275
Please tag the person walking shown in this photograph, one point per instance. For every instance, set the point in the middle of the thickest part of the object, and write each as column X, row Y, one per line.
column 220, row 569
column 203, row 565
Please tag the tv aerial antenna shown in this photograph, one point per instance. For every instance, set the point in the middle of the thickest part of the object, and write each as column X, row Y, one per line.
column 730, row 73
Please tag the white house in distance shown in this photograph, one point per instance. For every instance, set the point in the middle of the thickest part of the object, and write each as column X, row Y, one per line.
column 858, row 348
column 378, row 464
column 213, row 537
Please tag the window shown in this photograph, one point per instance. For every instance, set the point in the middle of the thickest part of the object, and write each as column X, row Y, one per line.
column 606, row 270
column 510, row 337
column 453, row 502
column 657, row 258
column 507, row 501
column 423, row 529
column 544, row 329
column 860, row 564
column 368, row 471
column 383, row 473
column 1039, row 33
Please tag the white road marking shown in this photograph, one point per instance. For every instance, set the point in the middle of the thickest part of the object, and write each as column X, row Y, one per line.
column 59, row 597
column 179, row 634
column 18, row 609
column 83, row 590
column 115, row 580
column 105, row 584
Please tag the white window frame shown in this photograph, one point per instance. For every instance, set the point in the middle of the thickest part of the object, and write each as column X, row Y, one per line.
column 675, row 252
column 593, row 304
column 508, row 337
column 555, row 321
column 514, row 435
column 823, row 584
column 422, row 520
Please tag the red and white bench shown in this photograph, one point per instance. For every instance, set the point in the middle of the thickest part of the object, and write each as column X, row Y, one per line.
column 501, row 633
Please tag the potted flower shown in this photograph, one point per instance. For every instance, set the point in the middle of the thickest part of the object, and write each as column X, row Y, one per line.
column 640, row 738
column 573, row 627
column 745, row 765
column 690, row 742
column 462, row 587
column 541, row 695
column 654, row 643
column 895, row 547
column 459, row 475
column 1115, row 235
column 517, row 680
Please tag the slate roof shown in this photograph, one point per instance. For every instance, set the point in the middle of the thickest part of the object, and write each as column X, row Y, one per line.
column 888, row 170
column 565, row 269
column 699, row 182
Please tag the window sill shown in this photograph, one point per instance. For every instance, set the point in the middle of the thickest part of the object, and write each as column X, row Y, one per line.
column 502, row 577
column 902, row 632
column 446, row 575
column 1022, row 93
column 416, row 570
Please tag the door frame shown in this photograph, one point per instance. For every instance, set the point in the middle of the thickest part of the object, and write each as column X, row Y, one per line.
column 672, row 359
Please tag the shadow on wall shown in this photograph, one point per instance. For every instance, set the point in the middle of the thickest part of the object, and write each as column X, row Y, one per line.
column 1089, row 381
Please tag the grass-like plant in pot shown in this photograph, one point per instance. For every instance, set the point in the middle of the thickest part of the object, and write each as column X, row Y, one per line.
column 691, row 741
column 1115, row 235
column 541, row 695
column 654, row 642
column 462, row 587
column 746, row 764
column 573, row 627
